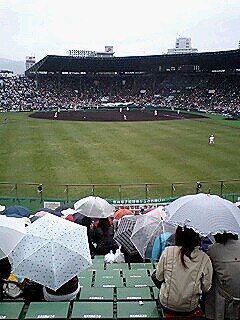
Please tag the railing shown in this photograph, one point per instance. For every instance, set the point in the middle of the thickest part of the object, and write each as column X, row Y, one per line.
column 70, row 192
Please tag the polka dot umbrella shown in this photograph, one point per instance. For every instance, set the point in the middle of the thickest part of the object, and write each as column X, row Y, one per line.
column 52, row 252
column 12, row 230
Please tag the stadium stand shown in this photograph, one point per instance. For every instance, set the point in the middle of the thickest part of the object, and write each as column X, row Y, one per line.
column 207, row 82
column 210, row 94
column 119, row 300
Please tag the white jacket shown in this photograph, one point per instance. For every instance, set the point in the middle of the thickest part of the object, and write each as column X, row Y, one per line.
column 182, row 287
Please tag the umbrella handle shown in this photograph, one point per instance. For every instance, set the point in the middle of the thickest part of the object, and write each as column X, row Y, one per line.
column 163, row 227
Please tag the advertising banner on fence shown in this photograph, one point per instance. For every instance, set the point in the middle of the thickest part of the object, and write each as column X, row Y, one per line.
column 138, row 205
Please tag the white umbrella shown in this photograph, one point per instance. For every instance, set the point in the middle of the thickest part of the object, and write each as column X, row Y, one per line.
column 204, row 213
column 94, row 207
column 11, row 232
column 68, row 211
column 52, row 252
column 237, row 204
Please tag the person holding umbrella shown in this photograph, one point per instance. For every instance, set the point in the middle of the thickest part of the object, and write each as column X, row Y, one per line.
column 5, row 270
column 66, row 292
column 102, row 235
column 211, row 215
column 52, row 253
column 87, row 222
column 185, row 272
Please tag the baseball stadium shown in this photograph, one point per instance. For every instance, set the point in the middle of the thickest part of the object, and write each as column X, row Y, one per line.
column 142, row 153
column 62, row 125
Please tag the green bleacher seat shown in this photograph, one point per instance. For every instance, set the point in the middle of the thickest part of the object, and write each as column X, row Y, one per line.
column 110, row 281
column 137, row 272
column 47, row 310
column 117, row 266
column 155, row 292
column 134, row 294
column 139, row 281
column 96, row 294
column 107, row 273
column 11, row 310
column 92, row 310
column 137, row 310
column 97, row 265
column 139, row 266
column 99, row 257
column 98, row 261
column 85, row 281
column 87, row 272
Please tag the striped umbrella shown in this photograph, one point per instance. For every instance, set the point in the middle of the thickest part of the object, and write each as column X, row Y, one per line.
column 124, row 232
column 205, row 214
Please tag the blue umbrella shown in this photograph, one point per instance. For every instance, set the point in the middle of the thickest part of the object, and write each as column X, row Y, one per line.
column 16, row 212
column 160, row 244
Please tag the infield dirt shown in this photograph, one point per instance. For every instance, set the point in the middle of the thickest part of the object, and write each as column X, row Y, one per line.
column 111, row 116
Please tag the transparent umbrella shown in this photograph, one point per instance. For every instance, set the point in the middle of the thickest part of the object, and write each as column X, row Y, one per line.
column 147, row 230
column 94, row 207
column 205, row 214
column 157, row 212
column 52, row 252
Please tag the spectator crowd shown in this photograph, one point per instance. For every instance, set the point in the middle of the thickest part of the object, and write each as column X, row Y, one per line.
column 188, row 277
column 208, row 93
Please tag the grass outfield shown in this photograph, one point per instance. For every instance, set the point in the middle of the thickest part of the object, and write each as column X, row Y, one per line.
column 62, row 152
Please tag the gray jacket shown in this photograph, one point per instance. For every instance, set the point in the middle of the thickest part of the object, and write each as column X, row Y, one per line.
column 223, row 300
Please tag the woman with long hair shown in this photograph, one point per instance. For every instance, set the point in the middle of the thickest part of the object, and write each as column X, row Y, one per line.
column 185, row 272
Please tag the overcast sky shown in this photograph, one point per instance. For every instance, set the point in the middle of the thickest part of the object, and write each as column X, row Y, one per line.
column 133, row 27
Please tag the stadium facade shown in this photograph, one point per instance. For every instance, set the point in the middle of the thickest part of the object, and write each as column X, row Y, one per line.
column 138, row 74
column 183, row 45
column 221, row 61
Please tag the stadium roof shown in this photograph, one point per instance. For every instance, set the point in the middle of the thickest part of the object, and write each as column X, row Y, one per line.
column 221, row 60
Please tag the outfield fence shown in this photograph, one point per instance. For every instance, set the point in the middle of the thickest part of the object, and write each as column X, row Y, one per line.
column 70, row 192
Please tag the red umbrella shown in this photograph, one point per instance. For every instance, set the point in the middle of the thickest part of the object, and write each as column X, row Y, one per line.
column 69, row 217
column 121, row 213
